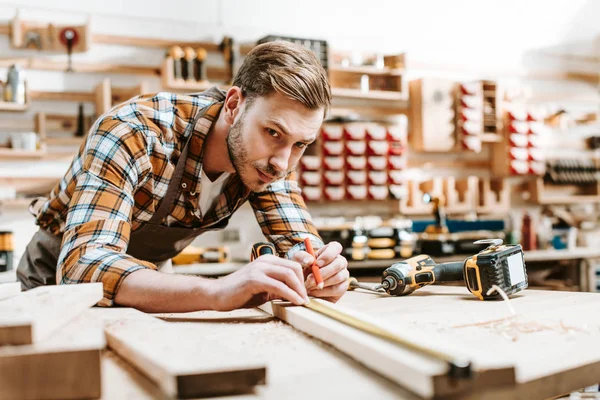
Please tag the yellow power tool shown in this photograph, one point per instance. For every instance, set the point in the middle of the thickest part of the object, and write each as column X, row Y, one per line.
column 498, row 264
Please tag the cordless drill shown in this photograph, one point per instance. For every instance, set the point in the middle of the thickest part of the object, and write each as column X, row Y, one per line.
column 498, row 264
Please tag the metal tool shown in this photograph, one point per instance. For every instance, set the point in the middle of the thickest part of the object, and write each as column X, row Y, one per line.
column 498, row 264
column 353, row 283
column 227, row 47
column 458, row 368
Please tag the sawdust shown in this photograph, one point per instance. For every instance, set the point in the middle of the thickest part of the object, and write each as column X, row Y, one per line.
column 513, row 326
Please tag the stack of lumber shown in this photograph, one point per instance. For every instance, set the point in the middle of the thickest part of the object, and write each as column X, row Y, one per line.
column 50, row 346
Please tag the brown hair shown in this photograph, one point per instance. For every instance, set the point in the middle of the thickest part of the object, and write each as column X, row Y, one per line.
column 288, row 69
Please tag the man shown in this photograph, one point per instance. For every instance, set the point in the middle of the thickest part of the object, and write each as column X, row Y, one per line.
column 158, row 170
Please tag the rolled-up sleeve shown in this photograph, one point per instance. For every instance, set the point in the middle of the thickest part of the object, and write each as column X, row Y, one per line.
column 283, row 217
column 98, row 223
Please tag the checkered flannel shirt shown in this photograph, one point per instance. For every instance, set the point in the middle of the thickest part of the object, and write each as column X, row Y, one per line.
column 122, row 171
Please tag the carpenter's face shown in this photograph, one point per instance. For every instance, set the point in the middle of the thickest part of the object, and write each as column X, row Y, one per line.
column 268, row 138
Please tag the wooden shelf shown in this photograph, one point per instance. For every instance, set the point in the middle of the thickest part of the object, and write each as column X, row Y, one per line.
column 367, row 70
column 9, row 106
column 370, row 95
column 78, row 97
column 15, row 154
column 544, row 194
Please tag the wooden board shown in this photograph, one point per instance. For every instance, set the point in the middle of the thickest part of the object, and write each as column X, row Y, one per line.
column 9, row 289
column 34, row 315
column 65, row 366
column 298, row 366
column 553, row 346
column 424, row 376
column 179, row 359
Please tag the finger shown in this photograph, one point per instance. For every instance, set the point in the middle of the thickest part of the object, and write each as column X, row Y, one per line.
column 280, row 290
column 339, row 264
column 340, row 277
column 289, row 277
column 304, row 259
column 327, row 254
column 331, row 291
column 282, row 262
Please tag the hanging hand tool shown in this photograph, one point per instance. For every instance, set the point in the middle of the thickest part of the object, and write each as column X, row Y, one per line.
column 189, row 55
column 200, row 65
column 69, row 37
column 176, row 53
column 227, row 47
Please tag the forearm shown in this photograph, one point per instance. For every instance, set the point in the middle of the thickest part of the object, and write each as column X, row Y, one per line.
column 153, row 291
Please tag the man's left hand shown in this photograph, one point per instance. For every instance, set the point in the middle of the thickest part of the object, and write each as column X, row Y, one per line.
column 334, row 270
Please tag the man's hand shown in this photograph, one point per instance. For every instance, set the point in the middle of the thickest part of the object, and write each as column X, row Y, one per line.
column 266, row 278
column 334, row 270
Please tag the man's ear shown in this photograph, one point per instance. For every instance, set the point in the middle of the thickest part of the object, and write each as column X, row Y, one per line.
column 232, row 105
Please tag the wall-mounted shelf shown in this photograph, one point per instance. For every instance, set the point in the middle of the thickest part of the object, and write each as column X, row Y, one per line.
column 16, row 154
column 388, row 95
column 10, row 106
column 367, row 70
column 215, row 77
column 543, row 193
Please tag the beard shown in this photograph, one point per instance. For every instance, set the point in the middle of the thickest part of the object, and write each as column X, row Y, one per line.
column 238, row 154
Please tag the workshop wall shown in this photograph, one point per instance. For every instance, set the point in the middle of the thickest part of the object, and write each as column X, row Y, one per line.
column 498, row 39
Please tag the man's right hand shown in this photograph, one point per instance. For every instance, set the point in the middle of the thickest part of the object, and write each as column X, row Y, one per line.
column 266, row 278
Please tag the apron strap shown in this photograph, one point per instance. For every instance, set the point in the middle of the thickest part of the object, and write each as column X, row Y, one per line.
column 173, row 189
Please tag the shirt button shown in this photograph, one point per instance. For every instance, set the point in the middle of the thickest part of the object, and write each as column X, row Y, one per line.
column 184, row 185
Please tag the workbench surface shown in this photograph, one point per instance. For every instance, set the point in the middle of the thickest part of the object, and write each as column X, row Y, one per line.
column 560, row 350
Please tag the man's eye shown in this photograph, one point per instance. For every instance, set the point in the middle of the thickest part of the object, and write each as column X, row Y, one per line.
column 272, row 132
column 301, row 145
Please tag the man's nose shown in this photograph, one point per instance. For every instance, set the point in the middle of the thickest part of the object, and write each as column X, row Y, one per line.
column 280, row 160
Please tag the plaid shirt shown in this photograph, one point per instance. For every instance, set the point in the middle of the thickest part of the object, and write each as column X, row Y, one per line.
column 122, row 171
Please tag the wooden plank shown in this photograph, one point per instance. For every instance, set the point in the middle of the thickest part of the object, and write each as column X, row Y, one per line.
column 563, row 324
column 121, row 381
column 34, row 315
column 424, row 376
column 180, row 360
column 9, row 289
column 64, row 366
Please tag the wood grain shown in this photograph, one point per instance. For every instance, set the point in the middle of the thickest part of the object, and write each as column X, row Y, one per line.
column 424, row 376
column 178, row 358
column 34, row 315
column 64, row 366
column 554, row 350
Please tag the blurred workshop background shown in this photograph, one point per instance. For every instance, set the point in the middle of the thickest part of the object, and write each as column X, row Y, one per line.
column 453, row 121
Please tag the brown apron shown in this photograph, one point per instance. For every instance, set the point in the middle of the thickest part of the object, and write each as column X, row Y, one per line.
column 152, row 242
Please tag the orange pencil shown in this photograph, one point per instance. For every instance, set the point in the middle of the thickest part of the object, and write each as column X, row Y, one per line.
column 315, row 269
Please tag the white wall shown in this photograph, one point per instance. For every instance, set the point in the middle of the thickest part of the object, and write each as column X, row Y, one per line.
column 462, row 38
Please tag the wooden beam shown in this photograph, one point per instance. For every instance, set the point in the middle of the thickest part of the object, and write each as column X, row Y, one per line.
column 424, row 376
column 34, row 315
column 65, row 366
column 176, row 360
column 48, row 65
column 9, row 289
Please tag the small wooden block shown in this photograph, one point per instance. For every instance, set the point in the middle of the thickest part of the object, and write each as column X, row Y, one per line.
column 34, row 315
